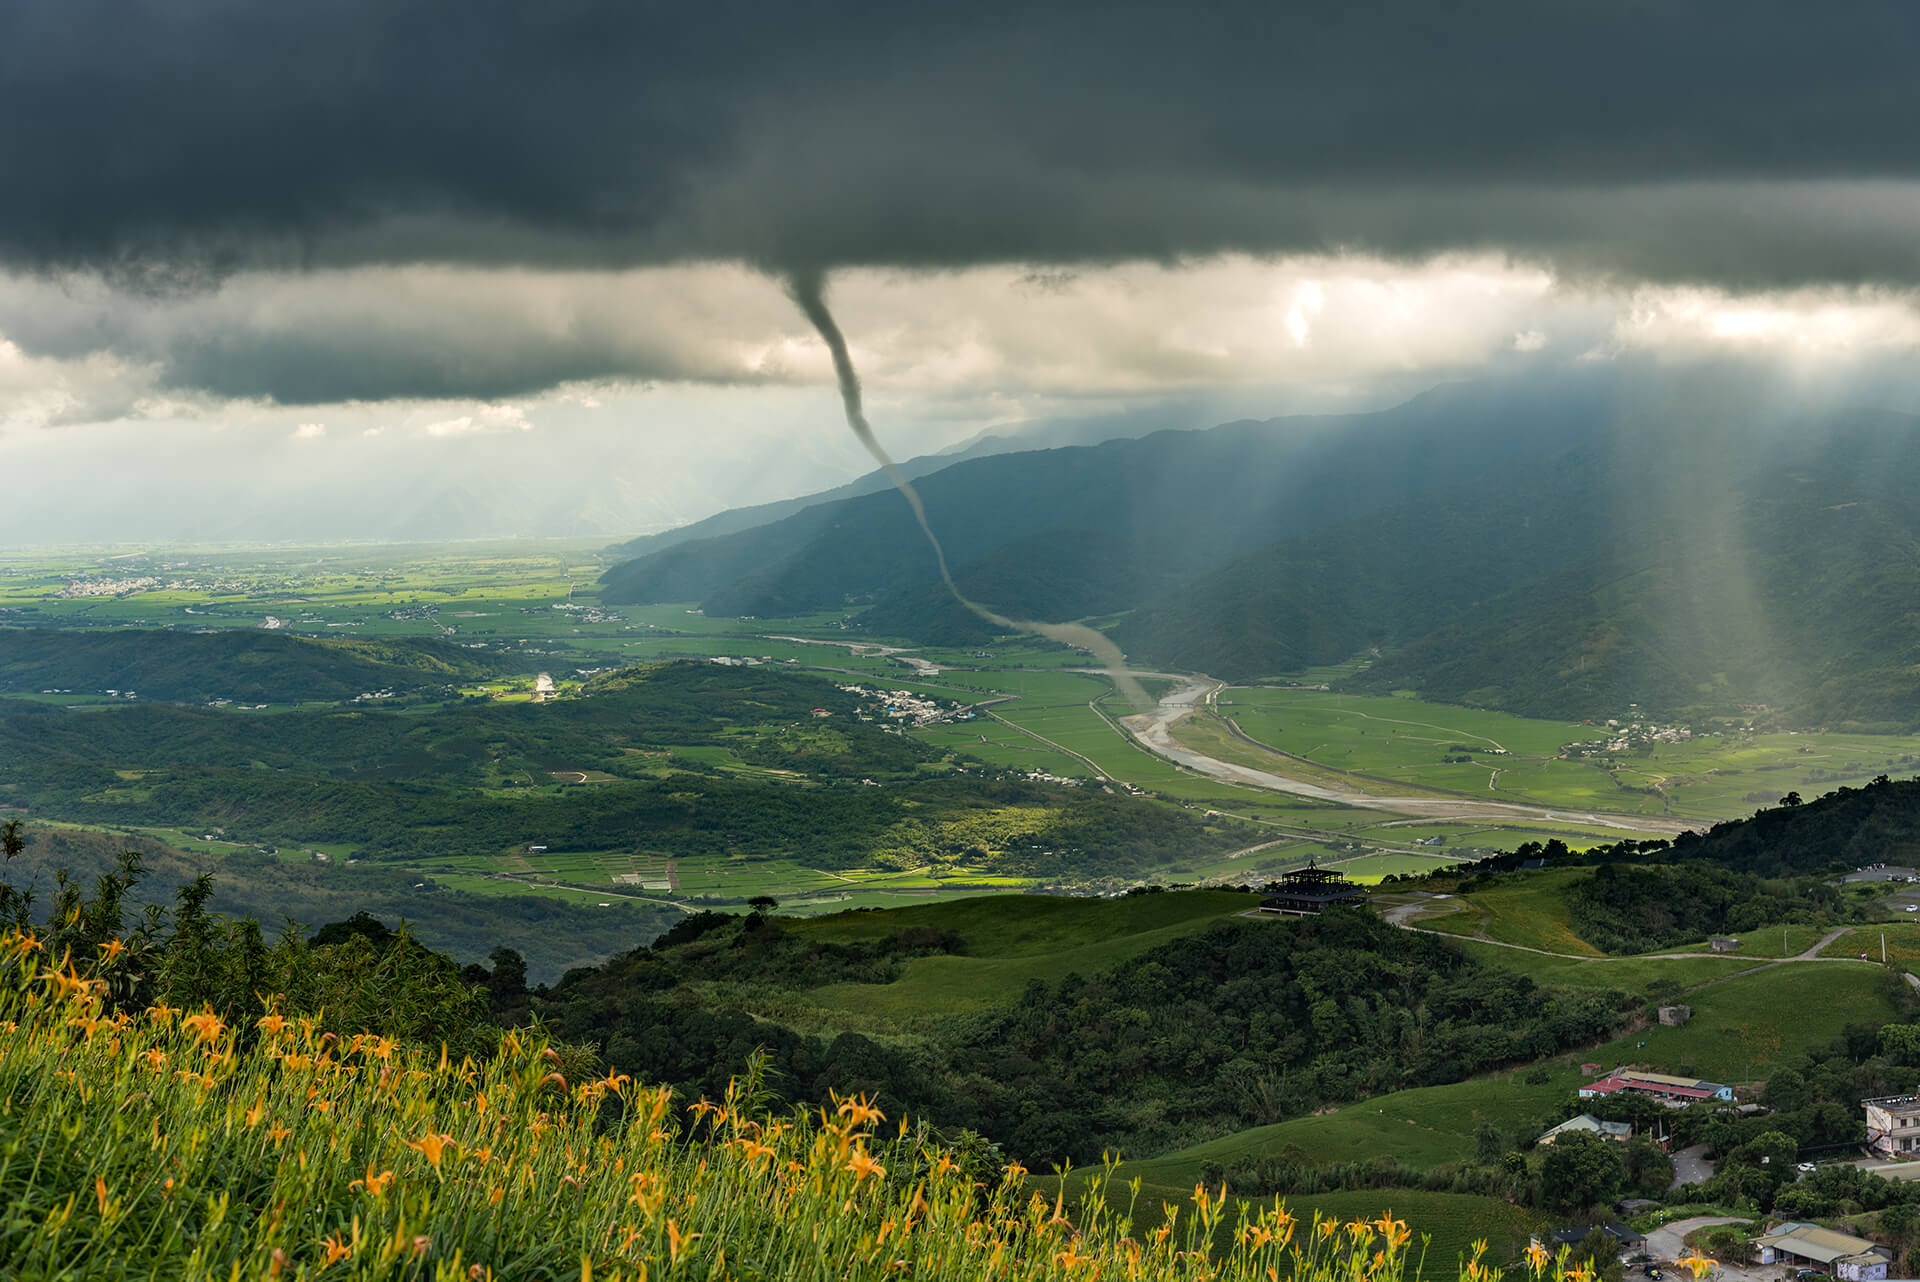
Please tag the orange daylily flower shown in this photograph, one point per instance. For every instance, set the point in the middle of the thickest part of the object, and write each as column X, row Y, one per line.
column 375, row 1185
column 859, row 1113
column 336, row 1250
column 432, row 1146
column 206, row 1026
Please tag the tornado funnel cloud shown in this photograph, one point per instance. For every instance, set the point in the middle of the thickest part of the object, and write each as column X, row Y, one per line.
column 808, row 290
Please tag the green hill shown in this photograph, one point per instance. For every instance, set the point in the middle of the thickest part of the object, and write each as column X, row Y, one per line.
column 1843, row 830
column 246, row 666
column 144, row 1141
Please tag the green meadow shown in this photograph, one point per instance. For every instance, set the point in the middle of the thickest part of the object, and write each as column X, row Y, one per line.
column 1527, row 911
column 1008, row 941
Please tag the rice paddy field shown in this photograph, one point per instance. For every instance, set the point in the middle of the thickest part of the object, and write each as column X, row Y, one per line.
column 696, row 883
column 1402, row 741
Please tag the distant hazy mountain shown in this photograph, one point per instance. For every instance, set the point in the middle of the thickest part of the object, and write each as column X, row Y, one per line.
column 1132, row 516
column 1044, row 435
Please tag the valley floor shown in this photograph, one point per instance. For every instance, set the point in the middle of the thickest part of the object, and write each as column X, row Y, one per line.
column 1156, row 732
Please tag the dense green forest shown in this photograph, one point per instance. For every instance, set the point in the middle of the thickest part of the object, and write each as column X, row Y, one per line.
column 1845, row 829
column 245, row 666
column 1626, row 909
column 1247, row 1023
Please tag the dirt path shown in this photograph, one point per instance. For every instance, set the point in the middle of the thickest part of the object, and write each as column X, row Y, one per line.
column 1402, row 915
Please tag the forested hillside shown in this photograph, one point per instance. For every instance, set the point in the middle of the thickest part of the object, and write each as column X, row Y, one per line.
column 1710, row 602
column 1564, row 554
column 1247, row 1023
column 1372, row 580
column 246, row 666
column 678, row 759
column 1166, row 503
column 552, row 934
column 1846, row 829
column 1604, row 581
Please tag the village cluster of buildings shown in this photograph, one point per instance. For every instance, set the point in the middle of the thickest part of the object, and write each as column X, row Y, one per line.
column 1624, row 738
column 906, row 706
column 1893, row 1131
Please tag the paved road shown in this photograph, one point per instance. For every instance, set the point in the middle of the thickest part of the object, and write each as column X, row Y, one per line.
column 1154, row 732
column 1667, row 1243
column 1690, row 1166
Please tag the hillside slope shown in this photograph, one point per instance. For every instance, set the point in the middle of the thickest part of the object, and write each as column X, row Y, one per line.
column 1733, row 566
column 1173, row 502
column 1844, row 829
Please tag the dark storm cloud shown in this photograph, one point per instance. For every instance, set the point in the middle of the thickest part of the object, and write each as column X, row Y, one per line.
column 1748, row 144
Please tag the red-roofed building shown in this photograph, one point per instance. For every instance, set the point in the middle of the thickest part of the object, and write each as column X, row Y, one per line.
column 1677, row 1091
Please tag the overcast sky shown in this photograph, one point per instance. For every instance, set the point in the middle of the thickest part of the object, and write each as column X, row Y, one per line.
column 394, row 265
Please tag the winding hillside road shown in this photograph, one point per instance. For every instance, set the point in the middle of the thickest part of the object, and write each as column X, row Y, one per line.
column 1154, row 732
column 1401, row 914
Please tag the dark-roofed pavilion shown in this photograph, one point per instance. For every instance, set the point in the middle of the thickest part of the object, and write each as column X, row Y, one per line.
column 1310, row 890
